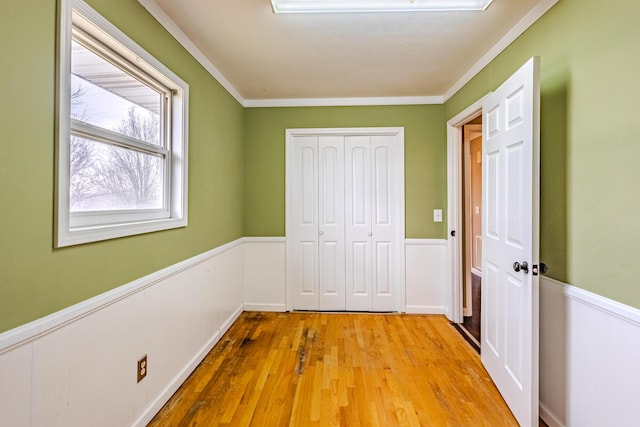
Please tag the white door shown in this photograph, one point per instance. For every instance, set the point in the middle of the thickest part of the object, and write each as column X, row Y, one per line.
column 358, row 222
column 345, row 219
column 385, row 262
column 510, row 198
column 372, row 221
column 331, row 262
column 319, row 268
column 304, row 216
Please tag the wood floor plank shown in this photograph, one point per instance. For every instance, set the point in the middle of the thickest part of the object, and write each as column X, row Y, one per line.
column 325, row 369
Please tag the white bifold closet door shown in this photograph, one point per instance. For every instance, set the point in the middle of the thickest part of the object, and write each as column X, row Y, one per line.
column 318, row 210
column 345, row 195
column 371, row 229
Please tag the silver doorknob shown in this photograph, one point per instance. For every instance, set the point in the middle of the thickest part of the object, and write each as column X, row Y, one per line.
column 524, row 267
column 321, row 233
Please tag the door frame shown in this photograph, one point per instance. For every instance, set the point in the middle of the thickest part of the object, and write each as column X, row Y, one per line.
column 454, row 206
column 290, row 134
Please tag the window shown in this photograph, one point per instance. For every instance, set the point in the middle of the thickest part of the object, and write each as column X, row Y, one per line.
column 122, row 134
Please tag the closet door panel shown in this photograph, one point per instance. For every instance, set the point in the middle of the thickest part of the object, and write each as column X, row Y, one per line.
column 358, row 222
column 305, row 222
column 308, row 269
column 331, row 279
column 384, row 223
column 382, row 263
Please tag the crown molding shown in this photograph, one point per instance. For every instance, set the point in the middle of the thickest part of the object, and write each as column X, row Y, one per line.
column 532, row 16
column 336, row 102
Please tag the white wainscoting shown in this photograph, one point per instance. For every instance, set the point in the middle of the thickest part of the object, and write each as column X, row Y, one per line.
column 427, row 287
column 77, row 367
column 425, row 275
column 264, row 274
column 589, row 358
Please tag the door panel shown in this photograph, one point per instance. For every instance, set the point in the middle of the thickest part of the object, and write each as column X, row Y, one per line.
column 491, row 303
column 383, row 269
column 360, row 273
column 307, row 187
column 491, row 213
column 516, row 295
column 384, row 227
column 358, row 222
column 510, row 235
column 305, row 223
column 360, row 182
column 382, row 184
column 331, row 223
column 308, row 268
column 329, row 261
column 514, row 194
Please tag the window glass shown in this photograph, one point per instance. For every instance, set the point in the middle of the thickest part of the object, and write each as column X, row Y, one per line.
column 105, row 96
column 109, row 177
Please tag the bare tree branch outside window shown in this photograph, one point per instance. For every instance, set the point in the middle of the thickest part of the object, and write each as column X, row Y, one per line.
column 132, row 176
column 82, row 157
column 106, row 176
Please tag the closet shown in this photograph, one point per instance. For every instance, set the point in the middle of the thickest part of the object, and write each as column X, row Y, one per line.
column 345, row 219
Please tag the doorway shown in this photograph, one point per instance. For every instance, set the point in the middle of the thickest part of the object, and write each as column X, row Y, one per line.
column 472, row 230
column 460, row 274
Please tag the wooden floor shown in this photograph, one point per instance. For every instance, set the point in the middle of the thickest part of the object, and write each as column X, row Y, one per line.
column 324, row 369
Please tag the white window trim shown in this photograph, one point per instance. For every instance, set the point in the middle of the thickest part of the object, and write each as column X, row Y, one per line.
column 134, row 222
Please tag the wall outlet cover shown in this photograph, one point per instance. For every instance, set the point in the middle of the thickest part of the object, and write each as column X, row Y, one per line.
column 142, row 368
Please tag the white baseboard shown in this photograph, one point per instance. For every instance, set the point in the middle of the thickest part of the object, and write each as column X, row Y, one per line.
column 548, row 417
column 264, row 307
column 264, row 239
column 425, row 309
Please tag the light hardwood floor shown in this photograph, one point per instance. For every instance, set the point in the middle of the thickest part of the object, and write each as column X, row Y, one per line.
column 325, row 369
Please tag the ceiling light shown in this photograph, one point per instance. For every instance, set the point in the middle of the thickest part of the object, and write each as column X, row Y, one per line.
column 320, row 6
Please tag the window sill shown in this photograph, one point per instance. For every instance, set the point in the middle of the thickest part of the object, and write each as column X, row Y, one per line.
column 80, row 235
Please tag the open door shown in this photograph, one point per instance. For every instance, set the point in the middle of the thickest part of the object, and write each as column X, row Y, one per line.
column 510, row 212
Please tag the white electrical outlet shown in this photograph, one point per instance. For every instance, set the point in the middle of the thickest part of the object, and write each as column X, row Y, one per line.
column 142, row 368
column 437, row 215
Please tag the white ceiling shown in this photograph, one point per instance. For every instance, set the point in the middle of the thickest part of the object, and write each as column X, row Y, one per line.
column 265, row 56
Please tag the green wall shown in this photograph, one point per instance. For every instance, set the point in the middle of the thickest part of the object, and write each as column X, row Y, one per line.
column 35, row 279
column 425, row 160
column 590, row 88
